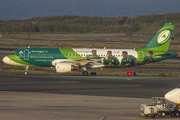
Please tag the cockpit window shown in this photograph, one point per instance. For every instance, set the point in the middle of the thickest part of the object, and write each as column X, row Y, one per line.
column 13, row 53
column 178, row 86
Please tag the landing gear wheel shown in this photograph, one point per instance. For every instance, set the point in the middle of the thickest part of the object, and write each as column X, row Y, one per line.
column 85, row 73
column 26, row 73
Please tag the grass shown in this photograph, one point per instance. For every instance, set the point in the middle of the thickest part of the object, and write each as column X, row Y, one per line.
column 57, row 44
column 81, row 37
column 70, row 44
column 165, row 65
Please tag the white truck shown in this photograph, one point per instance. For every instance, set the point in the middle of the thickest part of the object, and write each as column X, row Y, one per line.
column 148, row 111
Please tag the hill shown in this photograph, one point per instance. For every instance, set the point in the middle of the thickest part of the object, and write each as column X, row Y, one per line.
column 148, row 24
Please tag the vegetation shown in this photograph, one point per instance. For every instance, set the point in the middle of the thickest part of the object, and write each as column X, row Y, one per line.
column 78, row 72
column 84, row 24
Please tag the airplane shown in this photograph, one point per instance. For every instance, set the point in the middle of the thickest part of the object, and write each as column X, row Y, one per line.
column 174, row 95
column 68, row 59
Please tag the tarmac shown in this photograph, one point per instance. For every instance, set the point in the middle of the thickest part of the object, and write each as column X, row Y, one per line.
column 72, row 97
column 69, row 97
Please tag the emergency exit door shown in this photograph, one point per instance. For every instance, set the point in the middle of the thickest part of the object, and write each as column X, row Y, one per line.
column 140, row 55
column 26, row 54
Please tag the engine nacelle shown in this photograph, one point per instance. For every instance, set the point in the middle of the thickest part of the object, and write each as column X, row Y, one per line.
column 63, row 67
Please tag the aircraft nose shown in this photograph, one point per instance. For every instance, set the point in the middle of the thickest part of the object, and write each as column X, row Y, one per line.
column 172, row 95
column 6, row 60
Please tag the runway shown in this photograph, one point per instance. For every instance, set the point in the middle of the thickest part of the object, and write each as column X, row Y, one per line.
column 139, row 87
column 54, row 96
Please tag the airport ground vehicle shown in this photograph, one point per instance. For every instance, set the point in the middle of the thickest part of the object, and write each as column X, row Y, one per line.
column 166, row 107
column 148, row 110
column 162, row 106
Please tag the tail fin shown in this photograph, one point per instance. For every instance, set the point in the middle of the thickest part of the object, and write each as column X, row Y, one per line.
column 160, row 42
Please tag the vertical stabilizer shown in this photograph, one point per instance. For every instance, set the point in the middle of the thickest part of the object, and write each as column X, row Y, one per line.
column 161, row 41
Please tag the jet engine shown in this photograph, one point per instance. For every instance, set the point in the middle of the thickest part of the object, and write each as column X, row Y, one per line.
column 63, row 67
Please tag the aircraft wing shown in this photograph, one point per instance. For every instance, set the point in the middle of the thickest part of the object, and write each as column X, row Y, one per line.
column 83, row 62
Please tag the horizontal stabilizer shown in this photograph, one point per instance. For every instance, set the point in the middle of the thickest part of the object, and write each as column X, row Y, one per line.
column 166, row 54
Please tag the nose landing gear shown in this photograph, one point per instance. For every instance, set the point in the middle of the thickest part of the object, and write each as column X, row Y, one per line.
column 26, row 71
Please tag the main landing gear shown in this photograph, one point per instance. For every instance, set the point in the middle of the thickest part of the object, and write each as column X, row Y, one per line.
column 85, row 72
column 26, row 71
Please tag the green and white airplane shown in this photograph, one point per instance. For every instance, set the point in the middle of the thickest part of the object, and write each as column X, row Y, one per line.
column 68, row 59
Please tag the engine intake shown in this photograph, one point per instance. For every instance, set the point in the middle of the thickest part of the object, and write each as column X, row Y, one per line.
column 63, row 67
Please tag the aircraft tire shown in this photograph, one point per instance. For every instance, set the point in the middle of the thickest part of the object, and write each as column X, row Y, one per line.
column 26, row 73
column 85, row 73
column 176, row 114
